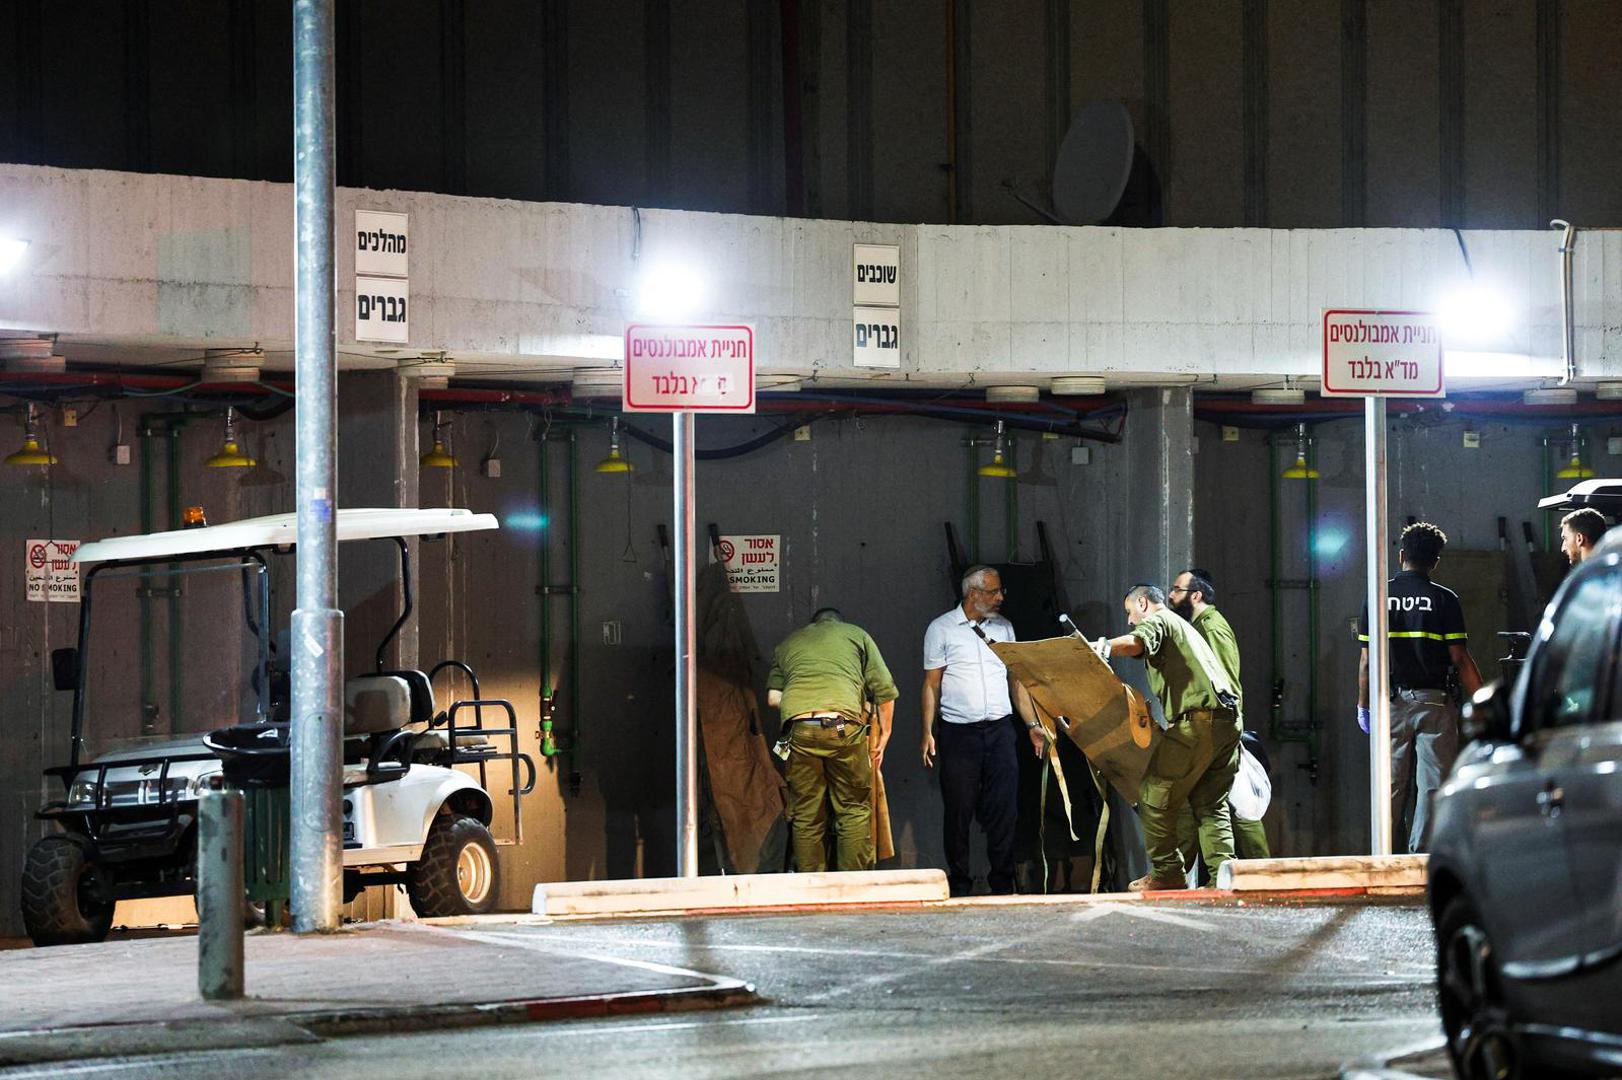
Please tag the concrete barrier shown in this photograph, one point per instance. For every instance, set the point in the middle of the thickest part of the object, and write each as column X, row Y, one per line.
column 738, row 891
column 1371, row 872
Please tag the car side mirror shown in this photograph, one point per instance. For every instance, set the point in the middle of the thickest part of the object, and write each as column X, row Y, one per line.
column 65, row 668
column 1486, row 715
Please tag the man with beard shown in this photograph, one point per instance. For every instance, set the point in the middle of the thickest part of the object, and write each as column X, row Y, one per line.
column 1197, row 757
column 1193, row 596
column 975, row 697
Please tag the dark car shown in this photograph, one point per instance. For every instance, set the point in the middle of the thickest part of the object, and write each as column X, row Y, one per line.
column 1526, row 856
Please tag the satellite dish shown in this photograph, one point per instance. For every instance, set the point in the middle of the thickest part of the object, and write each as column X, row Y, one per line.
column 1094, row 164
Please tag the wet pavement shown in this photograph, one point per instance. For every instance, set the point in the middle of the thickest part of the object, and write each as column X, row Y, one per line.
column 1107, row 989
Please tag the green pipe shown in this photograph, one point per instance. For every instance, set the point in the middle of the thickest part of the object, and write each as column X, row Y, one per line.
column 148, row 673
column 176, row 638
column 548, row 742
column 573, row 747
column 1011, row 525
column 973, row 552
column 1548, row 489
column 1312, row 600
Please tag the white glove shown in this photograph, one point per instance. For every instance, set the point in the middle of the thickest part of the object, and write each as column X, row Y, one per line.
column 1101, row 647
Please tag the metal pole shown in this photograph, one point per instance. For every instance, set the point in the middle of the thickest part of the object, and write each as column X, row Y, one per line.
column 219, row 894
column 1379, row 624
column 317, row 626
column 681, row 429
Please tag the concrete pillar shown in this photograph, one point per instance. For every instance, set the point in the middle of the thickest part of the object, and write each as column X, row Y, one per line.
column 377, row 432
column 1160, row 480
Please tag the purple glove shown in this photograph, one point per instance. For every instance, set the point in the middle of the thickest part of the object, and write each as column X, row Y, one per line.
column 1363, row 718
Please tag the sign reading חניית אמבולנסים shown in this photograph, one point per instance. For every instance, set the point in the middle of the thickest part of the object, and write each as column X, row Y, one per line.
column 1375, row 353
column 752, row 562
column 50, row 572
column 689, row 368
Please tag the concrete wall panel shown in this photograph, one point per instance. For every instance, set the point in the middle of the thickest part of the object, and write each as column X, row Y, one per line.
column 1500, row 119
column 1304, row 130
column 1008, row 116
column 909, row 109
column 606, row 94
column 1590, row 69
column 1206, row 185
column 1403, row 170
column 506, row 150
column 709, row 84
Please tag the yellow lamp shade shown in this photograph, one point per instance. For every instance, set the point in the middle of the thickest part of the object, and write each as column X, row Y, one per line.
column 615, row 462
column 230, row 456
column 437, row 457
column 1574, row 470
column 998, row 469
column 32, row 453
column 1300, row 470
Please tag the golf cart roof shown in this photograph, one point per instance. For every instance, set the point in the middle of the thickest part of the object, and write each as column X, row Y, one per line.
column 281, row 530
column 1604, row 495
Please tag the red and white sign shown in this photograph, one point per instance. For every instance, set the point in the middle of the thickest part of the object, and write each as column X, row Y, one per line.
column 707, row 369
column 752, row 562
column 49, row 571
column 1381, row 354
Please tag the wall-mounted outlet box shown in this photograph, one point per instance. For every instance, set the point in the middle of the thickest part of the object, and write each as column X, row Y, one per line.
column 491, row 467
column 1081, row 455
column 119, row 454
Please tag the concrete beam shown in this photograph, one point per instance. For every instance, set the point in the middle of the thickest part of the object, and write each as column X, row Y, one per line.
column 192, row 262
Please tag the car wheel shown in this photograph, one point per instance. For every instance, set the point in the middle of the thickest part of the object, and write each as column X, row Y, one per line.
column 67, row 896
column 1480, row 1037
column 457, row 873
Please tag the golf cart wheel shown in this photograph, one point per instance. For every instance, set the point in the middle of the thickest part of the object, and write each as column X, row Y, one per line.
column 67, row 898
column 457, row 872
column 1481, row 1039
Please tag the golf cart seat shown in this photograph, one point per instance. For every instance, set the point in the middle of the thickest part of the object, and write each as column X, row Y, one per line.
column 376, row 704
column 422, row 694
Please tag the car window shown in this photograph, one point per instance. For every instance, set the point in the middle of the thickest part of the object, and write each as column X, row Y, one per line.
column 1566, row 686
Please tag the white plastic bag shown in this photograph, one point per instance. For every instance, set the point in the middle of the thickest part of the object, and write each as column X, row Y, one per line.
column 1252, row 790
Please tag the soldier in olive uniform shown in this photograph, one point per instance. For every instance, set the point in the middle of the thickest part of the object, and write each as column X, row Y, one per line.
column 1198, row 754
column 1193, row 596
column 821, row 675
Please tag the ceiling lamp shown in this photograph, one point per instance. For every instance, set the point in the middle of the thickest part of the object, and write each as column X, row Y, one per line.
column 999, row 469
column 230, row 455
column 1013, row 395
column 1551, row 395
column 615, row 462
column 33, row 451
column 1077, row 385
column 437, row 456
column 1575, row 469
column 1301, row 470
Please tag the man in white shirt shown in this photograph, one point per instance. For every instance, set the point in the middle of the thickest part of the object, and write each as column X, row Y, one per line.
column 975, row 697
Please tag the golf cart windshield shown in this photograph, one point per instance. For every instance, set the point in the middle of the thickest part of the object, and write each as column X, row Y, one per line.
column 171, row 651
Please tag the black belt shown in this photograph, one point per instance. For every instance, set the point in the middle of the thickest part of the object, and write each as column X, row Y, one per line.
column 835, row 721
column 1207, row 714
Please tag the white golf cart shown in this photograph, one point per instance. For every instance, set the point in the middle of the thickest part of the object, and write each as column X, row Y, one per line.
column 199, row 601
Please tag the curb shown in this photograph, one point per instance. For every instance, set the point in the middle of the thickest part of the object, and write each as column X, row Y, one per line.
column 244, row 1032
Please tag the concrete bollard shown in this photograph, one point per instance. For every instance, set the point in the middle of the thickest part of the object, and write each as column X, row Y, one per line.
column 219, row 894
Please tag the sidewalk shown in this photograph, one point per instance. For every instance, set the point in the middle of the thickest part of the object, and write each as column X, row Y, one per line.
column 140, row 996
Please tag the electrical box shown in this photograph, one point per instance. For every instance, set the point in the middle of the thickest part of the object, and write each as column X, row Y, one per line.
column 70, row 417
column 611, row 632
column 802, row 433
column 1081, row 455
column 1613, row 445
column 491, row 467
column 1230, row 433
column 119, row 454
column 1472, row 440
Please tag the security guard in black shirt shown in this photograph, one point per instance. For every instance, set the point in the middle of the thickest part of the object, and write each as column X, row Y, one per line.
column 1427, row 641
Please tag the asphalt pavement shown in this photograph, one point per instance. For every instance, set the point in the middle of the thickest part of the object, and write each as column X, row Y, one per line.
column 1164, row 990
